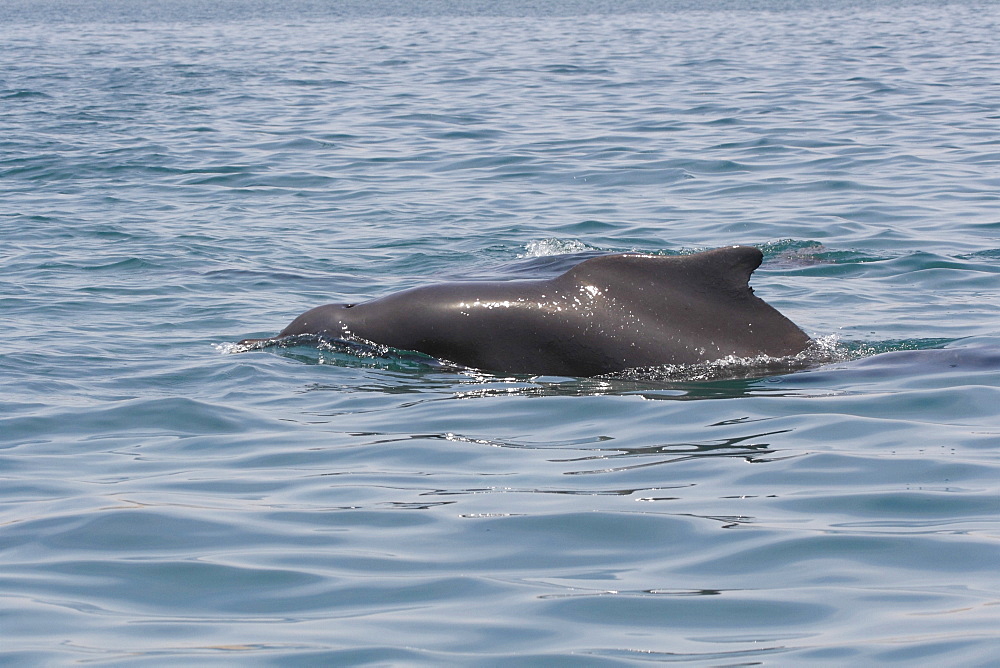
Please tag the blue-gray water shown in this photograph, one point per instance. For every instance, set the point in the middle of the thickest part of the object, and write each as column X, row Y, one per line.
column 177, row 176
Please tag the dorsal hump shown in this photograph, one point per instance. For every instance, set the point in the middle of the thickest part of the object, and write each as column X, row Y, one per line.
column 725, row 269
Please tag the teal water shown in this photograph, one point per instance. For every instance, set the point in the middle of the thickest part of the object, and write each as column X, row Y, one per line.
column 177, row 177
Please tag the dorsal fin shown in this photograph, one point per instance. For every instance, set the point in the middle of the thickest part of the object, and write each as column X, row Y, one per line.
column 727, row 269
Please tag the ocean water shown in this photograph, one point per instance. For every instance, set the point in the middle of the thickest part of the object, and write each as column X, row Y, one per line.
column 177, row 176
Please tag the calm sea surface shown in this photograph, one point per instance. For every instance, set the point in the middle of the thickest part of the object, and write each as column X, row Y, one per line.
column 176, row 176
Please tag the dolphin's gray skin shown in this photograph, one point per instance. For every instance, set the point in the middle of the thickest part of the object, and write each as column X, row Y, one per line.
column 606, row 314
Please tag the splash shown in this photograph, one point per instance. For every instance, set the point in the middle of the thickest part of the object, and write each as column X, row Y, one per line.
column 547, row 247
column 822, row 350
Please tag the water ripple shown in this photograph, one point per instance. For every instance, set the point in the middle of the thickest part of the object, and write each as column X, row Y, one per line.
column 177, row 176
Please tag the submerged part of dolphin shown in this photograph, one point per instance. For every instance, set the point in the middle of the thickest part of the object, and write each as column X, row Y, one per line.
column 606, row 314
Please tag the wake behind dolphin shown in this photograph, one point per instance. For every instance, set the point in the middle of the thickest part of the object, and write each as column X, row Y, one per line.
column 605, row 315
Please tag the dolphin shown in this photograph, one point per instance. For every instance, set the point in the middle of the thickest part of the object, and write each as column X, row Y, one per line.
column 607, row 314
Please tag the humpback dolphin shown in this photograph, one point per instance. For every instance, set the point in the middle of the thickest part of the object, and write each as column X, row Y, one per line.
column 609, row 313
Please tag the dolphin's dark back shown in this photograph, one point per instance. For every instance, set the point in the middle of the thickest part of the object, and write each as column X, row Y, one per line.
column 606, row 314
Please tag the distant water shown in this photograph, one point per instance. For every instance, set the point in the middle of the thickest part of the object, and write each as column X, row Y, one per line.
column 176, row 176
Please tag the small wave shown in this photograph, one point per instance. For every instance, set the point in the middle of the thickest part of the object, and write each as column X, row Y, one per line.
column 23, row 95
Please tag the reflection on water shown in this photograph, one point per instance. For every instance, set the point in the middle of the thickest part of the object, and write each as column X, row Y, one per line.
column 748, row 447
